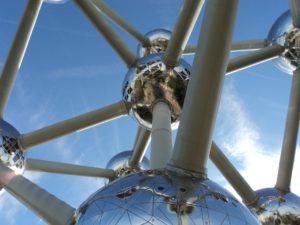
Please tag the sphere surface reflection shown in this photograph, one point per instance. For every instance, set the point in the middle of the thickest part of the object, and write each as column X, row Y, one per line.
column 151, row 81
column 55, row 1
column 158, row 42
column 278, row 208
column 10, row 154
column 120, row 163
column 165, row 198
column 285, row 34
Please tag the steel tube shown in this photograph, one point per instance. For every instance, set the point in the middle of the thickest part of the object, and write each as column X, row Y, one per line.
column 232, row 175
column 77, row 123
column 70, row 169
column 295, row 10
column 108, row 33
column 142, row 141
column 51, row 209
column 105, row 9
column 194, row 136
column 161, row 136
column 182, row 31
column 252, row 59
column 17, row 51
column 248, row 45
column 289, row 143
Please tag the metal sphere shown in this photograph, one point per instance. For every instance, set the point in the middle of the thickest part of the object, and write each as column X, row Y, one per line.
column 151, row 81
column 120, row 164
column 277, row 208
column 56, row 1
column 163, row 197
column 285, row 34
column 10, row 154
column 158, row 39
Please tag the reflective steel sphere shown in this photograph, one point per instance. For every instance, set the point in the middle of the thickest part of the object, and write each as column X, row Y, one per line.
column 285, row 34
column 163, row 197
column 120, row 164
column 56, row 1
column 151, row 81
column 159, row 39
column 10, row 154
column 278, row 208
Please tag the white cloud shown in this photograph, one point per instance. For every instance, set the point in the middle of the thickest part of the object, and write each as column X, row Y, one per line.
column 244, row 143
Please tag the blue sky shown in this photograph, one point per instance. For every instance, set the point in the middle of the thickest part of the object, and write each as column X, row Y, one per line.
column 69, row 69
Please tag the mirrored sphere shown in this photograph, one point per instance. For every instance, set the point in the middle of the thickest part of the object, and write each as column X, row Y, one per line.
column 162, row 197
column 158, row 38
column 151, row 81
column 278, row 208
column 55, row 1
column 285, row 34
column 120, row 164
column 10, row 154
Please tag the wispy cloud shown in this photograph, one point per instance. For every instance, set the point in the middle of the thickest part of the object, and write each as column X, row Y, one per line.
column 241, row 138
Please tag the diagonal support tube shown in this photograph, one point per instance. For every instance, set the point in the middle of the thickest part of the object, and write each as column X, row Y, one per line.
column 249, row 45
column 17, row 51
column 47, row 206
column 108, row 33
column 142, row 141
column 236, row 180
column 194, row 136
column 105, row 9
column 288, row 150
column 70, row 169
column 182, row 31
column 161, row 136
column 77, row 123
column 295, row 10
column 252, row 59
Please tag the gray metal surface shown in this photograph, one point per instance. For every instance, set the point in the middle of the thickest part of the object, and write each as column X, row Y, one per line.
column 295, row 11
column 46, row 206
column 182, row 31
column 194, row 136
column 120, row 164
column 158, row 39
column 142, row 141
column 17, row 51
column 70, row 169
column 252, row 59
column 285, row 34
column 277, row 208
column 151, row 81
column 10, row 153
column 235, row 179
column 161, row 136
column 249, row 45
column 77, row 123
column 289, row 143
column 161, row 197
column 108, row 33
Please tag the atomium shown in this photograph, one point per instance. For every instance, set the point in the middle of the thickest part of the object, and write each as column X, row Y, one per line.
column 163, row 197
column 120, row 164
column 152, row 81
column 285, row 34
column 158, row 39
column 10, row 154
column 277, row 208
column 56, row 1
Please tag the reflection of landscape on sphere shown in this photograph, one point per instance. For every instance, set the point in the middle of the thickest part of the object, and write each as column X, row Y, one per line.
column 278, row 208
column 158, row 38
column 10, row 154
column 120, row 163
column 163, row 197
column 285, row 34
column 151, row 81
